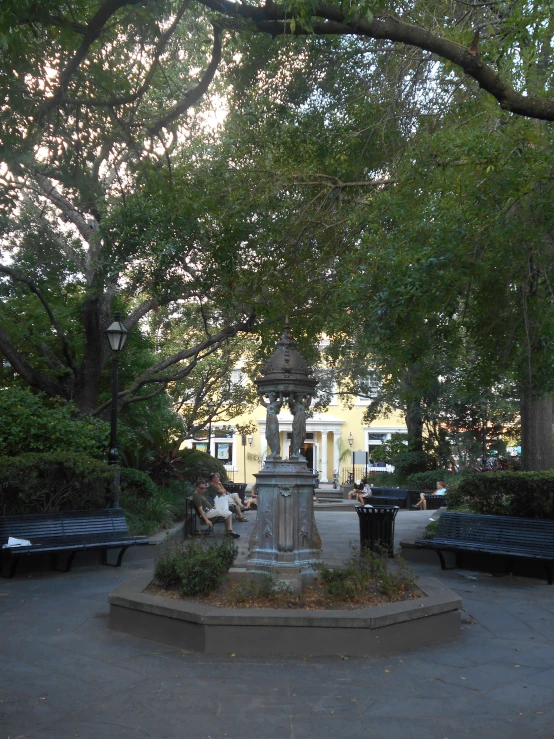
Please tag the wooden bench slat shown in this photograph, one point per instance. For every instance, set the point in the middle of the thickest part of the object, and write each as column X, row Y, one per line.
column 68, row 531
column 511, row 537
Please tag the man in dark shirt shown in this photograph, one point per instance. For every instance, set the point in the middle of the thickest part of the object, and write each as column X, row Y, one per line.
column 206, row 512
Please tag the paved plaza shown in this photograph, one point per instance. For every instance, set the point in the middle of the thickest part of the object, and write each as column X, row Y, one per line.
column 64, row 674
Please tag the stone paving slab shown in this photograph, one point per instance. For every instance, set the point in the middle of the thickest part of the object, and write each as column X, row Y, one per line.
column 65, row 674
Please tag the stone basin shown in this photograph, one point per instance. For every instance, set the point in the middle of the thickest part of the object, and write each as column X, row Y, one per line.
column 261, row 632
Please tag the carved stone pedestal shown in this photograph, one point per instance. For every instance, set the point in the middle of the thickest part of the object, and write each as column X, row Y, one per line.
column 285, row 542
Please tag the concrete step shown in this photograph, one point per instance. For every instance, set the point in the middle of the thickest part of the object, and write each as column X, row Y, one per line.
column 343, row 505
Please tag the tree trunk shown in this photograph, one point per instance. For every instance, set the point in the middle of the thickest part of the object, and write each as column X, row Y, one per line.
column 414, row 422
column 537, row 450
column 95, row 321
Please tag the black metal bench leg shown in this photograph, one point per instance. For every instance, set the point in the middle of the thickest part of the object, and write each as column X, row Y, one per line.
column 104, row 557
column 11, row 569
column 548, row 566
column 441, row 557
column 68, row 563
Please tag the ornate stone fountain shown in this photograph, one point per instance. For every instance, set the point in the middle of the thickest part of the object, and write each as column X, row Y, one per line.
column 285, row 541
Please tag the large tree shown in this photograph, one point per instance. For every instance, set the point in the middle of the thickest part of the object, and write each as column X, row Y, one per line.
column 97, row 107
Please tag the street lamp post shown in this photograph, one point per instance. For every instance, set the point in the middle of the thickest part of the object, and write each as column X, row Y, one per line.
column 116, row 334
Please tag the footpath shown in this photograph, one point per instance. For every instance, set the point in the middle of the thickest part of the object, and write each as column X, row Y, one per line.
column 64, row 674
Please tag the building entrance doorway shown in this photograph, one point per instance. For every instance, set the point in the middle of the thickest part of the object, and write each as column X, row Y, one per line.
column 309, row 452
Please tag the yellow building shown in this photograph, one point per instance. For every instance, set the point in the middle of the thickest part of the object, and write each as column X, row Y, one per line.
column 328, row 435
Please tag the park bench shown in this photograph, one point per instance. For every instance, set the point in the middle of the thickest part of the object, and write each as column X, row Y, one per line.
column 389, row 497
column 192, row 517
column 434, row 502
column 68, row 531
column 503, row 536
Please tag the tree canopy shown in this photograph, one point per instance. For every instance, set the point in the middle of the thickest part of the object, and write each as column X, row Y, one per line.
column 369, row 179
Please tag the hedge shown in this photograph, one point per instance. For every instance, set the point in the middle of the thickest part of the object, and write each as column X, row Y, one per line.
column 33, row 423
column 428, row 480
column 194, row 464
column 57, row 481
column 526, row 494
column 137, row 484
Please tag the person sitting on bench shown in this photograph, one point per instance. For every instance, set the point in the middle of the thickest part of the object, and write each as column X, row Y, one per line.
column 361, row 492
column 252, row 501
column 206, row 512
column 441, row 490
column 215, row 485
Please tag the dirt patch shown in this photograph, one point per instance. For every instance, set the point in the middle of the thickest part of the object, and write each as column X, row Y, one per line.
column 236, row 595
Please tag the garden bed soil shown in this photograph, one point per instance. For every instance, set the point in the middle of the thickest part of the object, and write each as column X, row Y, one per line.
column 232, row 595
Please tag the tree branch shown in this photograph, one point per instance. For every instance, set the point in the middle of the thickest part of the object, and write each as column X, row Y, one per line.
column 127, row 100
column 53, row 322
column 191, row 97
column 92, row 33
column 23, row 368
column 197, row 353
column 275, row 20
column 145, row 307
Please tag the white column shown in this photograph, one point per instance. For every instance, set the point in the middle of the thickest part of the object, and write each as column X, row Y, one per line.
column 324, row 442
column 336, row 450
column 263, row 442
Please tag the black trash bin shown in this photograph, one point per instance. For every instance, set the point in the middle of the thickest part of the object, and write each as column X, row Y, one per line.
column 377, row 528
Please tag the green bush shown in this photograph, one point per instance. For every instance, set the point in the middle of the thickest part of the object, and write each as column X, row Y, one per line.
column 408, row 463
column 160, row 510
column 350, row 582
column 58, row 481
column 137, row 484
column 196, row 568
column 194, row 464
column 428, row 480
column 33, row 423
column 266, row 587
column 526, row 494
column 430, row 530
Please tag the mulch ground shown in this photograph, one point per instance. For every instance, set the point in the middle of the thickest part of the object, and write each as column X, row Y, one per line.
column 233, row 595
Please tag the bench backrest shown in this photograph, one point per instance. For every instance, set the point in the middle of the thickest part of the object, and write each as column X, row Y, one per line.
column 521, row 532
column 40, row 526
column 399, row 493
column 235, row 487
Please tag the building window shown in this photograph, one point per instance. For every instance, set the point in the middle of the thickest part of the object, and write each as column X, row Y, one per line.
column 200, row 446
column 223, row 432
column 369, row 389
column 224, row 452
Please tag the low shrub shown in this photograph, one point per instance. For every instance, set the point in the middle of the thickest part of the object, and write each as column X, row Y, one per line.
column 197, row 567
column 160, row 510
column 428, row 480
column 136, row 484
column 526, row 494
column 430, row 530
column 193, row 464
column 266, row 587
column 350, row 582
column 386, row 480
column 57, row 481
